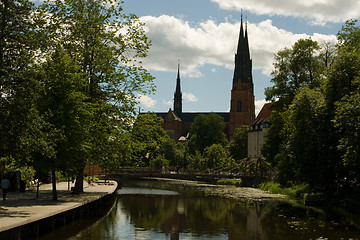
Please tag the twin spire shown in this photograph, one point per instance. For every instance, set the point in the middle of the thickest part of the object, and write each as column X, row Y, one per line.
column 243, row 62
column 242, row 72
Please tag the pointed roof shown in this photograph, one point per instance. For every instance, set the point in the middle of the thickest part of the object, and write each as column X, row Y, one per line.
column 243, row 63
column 178, row 95
column 264, row 112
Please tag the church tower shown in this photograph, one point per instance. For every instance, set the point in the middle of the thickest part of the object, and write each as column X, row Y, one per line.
column 242, row 104
column 178, row 96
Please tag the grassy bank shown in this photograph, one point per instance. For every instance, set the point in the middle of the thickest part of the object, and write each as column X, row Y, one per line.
column 295, row 191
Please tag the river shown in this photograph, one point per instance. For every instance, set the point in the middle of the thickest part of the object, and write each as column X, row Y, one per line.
column 154, row 209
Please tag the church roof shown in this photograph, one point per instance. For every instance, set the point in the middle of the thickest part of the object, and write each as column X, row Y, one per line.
column 189, row 117
column 265, row 111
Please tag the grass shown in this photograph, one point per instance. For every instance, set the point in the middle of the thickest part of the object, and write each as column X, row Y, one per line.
column 226, row 181
column 295, row 191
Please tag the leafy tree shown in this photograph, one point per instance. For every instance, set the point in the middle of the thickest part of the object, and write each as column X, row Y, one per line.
column 273, row 140
column 147, row 138
column 348, row 127
column 239, row 144
column 172, row 151
column 64, row 106
column 20, row 124
column 107, row 45
column 215, row 156
column 205, row 131
column 295, row 68
column 303, row 144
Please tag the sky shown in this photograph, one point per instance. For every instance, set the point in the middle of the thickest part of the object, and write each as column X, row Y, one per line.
column 203, row 35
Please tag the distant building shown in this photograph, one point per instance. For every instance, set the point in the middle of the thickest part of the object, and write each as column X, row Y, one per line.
column 177, row 123
column 256, row 134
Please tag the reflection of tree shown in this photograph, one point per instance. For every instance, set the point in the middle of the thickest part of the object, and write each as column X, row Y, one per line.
column 201, row 215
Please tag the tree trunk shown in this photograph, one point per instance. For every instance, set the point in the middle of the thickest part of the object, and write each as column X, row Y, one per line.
column 79, row 183
column 54, row 185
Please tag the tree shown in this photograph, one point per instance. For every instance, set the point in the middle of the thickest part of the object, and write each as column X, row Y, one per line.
column 295, row 68
column 303, row 140
column 147, row 139
column 173, row 152
column 205, row 131
column 20, row 124
column 348, row 128
column 215, row 156
column 107, row 45
column 342, row 92
column 64, row 107
column 239, row 144
column 273, row 139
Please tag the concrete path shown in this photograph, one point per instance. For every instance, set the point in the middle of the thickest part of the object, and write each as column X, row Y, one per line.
column 23, row 208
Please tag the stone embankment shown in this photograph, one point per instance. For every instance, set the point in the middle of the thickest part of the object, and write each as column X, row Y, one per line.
column 23, row 215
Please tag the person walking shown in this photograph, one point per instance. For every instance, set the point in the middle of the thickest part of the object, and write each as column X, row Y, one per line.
column 5, row 185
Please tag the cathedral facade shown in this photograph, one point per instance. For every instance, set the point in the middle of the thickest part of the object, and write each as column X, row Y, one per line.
column 177, row 123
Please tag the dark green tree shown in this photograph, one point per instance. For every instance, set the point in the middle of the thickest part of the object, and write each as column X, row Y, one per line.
column 216, row 157
column 206, row 131
column 65, row 108
column 20, row 124
column 107, row 45
column 239, row 144
column 273, row 140
column 147, row 138
column 295, row 68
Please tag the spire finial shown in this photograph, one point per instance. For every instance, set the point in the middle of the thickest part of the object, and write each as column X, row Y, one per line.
column 242, row 10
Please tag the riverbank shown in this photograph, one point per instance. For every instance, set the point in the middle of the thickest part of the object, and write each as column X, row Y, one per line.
column 24, row 209
column 241, row 193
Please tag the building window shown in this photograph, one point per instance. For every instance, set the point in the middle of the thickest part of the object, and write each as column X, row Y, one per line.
column 239, row 104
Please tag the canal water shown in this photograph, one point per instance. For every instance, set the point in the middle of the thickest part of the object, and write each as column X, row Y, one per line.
column 167, row 210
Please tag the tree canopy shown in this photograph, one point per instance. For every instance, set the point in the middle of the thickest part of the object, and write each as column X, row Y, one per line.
column 205, row 131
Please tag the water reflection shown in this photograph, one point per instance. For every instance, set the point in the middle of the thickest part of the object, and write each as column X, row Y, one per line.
column 147, row 213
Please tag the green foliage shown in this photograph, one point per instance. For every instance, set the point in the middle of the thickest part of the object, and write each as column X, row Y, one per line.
column 159, row 162
column 201, row 136
column 239, row 144
column 295, row 191
column 314, row 138
column 147, row 137
column 172, row 151
column 347, row 122
column 295, row 68
column 225, row 181
column 215, row 156
column 20, row 124
column 273, row 138
column 196, row 161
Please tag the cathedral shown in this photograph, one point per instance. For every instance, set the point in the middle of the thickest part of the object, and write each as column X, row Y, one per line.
column 177, row 123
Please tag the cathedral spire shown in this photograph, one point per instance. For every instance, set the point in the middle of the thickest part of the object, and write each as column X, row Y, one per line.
column 243, row 63
column 178, row 94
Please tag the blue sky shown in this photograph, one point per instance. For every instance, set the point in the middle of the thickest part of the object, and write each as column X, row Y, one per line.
column 203, row 34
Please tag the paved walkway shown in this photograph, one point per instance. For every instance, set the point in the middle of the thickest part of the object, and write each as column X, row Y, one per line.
column 23, row 208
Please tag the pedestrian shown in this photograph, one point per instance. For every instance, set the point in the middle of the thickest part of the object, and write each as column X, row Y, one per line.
column 5, row 185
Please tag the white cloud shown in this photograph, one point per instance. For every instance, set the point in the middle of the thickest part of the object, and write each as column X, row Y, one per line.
column 258, row 106
column 167, row 103
column 146, row 101
column 189, row 97
column 211, row 43
column 318, row 12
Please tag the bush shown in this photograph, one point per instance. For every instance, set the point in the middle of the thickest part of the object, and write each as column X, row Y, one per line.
column 296, row 191
column 159, row 162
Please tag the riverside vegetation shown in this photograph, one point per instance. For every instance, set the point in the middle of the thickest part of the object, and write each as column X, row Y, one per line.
column 68, row 96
